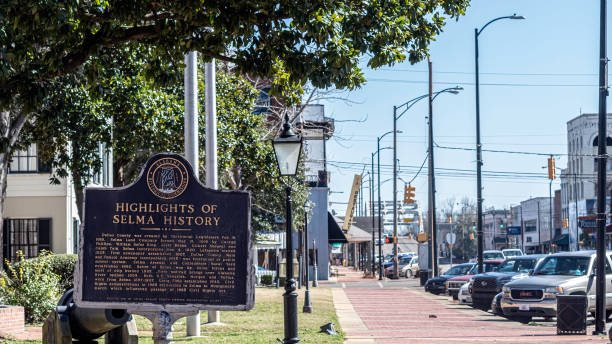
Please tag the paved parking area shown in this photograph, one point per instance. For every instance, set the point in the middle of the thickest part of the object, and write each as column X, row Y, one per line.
column 401, row 312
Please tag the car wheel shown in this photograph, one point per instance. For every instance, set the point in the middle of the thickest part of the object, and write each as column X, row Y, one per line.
column 409, row 274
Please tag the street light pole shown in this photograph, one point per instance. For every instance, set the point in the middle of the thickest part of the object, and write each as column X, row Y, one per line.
column 307, row 304
column 373, row 222
column 478, row 144
column 396, row 116
column 380, row 262
column 600, row 291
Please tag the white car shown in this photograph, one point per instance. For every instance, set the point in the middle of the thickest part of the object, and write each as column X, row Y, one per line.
column 513, row 252
column 465, row 298
column 410, row 269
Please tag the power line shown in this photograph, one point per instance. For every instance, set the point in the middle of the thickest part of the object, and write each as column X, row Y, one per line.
column 481, row 84
column 491, row 73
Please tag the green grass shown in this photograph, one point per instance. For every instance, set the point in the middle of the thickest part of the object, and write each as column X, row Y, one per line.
column 262, row 324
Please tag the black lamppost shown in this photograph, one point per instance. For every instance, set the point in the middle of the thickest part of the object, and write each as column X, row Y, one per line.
column 600, row 287
column 432, row 201
column 478, row 145
column 307, row 304
column 380, row 262
column 287, row 149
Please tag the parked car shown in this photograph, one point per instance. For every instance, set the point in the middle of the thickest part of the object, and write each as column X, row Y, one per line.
column 465, row 296
column 389, row 262
column 402, row 261
column 436, row 285
column 412, row 268
column 512, row 252
column 490, row 255
column 488, row 284
column 454, row 284
column 566, row 273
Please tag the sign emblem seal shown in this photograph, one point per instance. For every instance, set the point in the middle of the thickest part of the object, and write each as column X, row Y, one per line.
column 167, row 178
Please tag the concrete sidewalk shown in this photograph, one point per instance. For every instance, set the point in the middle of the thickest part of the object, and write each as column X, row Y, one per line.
column 389, row 314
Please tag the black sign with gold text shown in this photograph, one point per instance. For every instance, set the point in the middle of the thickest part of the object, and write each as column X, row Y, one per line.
column 165, row 240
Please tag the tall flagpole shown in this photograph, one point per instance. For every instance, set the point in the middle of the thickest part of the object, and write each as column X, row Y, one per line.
column 192, row 145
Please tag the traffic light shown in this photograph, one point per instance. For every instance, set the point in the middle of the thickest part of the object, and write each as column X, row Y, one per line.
column 450, row 219
column 409, row 194
column 471, row 236
column 551, row 168
column 388, row 240
column 565, row 223
column 473, row 225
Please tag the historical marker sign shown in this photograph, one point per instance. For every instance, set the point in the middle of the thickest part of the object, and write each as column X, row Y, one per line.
column 165, row 242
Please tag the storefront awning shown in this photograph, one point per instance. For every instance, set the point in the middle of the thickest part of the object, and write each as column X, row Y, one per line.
column 334, row 232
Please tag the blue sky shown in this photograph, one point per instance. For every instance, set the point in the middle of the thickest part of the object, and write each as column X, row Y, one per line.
column 536, row 74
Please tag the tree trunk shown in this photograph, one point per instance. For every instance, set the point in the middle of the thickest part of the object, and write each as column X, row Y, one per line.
column 9, row 133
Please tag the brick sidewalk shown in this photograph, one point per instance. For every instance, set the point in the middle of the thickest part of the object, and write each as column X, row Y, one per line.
column 409, row 315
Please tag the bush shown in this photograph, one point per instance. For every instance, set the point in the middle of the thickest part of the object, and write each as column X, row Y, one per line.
column 31, row 285
column 62, row 265
column 266, row 279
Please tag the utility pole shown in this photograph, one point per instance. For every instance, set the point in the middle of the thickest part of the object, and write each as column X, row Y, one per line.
column 432, row 177
column 600, row 290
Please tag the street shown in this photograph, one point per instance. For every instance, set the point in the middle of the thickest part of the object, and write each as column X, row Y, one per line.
column 399, row 311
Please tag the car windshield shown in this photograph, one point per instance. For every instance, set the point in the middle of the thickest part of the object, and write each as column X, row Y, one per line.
column 458, row 270
column 488, row 267
column 511, row 253
column 568, row 266
column 517, row 265
column 492, row 255
column 405, row 260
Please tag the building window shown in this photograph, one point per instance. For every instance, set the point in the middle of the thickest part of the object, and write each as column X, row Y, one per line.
column 29, row 236
column 27, row 161
column 529, row 239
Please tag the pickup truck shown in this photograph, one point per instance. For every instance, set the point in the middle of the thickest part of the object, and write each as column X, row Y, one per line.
column 567, row 273
column 454, row 284
column 486, row 286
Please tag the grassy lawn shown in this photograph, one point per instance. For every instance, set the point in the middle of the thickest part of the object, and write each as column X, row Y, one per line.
column 263, row 324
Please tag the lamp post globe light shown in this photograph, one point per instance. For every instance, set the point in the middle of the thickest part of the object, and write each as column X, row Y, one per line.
column 477, row 33
column 287, row 149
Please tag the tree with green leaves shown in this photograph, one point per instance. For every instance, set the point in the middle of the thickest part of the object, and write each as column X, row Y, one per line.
column 78, row 124
column 287, row 41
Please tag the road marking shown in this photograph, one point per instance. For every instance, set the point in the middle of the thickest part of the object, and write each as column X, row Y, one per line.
column 380, row 284
column 343, row 285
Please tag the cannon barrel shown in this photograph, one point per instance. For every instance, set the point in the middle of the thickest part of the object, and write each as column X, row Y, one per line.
column 90, row 323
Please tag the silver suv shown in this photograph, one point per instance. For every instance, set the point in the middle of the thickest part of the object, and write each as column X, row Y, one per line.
column 568, row 273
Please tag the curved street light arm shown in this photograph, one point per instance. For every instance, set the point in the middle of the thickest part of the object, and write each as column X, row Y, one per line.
column 514, row 16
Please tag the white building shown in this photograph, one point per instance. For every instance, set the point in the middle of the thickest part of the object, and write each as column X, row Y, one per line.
column 39, row 215
column 494, row 227
column 534, row 216
column 578, row 179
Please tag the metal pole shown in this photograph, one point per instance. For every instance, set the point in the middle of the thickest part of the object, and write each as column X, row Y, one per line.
column 550, row 214
column 395, row 258
column 290, row 295
column 373, row 224
column 432, row 176
column 522, row 232
column 576, row 204
column 191, row 146
column 315, row 257
column 380, row 262
column 478, row 162
column 539, row 229
column 600, row 291
column 307, row 304
column 214, row 317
